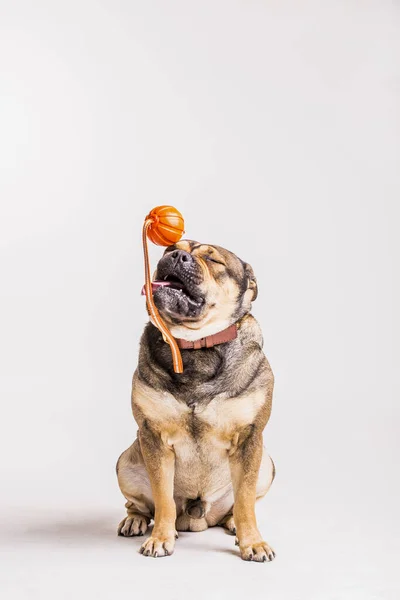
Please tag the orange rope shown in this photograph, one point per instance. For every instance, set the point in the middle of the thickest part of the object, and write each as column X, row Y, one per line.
column 153, row 312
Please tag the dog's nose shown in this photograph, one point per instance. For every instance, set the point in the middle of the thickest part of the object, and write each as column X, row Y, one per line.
column 182, row 257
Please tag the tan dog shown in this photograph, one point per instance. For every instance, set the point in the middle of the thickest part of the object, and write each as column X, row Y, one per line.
column 198, row 460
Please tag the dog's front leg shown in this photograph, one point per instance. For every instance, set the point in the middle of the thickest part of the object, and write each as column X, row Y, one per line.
column 159, row 459
column 245, row 461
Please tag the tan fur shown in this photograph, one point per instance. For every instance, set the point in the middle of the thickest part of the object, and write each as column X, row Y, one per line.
column 211, row 449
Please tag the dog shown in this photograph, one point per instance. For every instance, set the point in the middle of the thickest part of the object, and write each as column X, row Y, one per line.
column 198, row 460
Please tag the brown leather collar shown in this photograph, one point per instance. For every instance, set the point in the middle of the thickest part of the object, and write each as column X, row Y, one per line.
column 226, row 335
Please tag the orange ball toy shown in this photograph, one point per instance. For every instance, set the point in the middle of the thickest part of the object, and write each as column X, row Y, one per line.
column 163, row 226
column 167, row 225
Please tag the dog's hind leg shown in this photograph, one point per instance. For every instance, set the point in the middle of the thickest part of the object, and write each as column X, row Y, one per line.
column 265, row 478
column 135, row 486
column 228, row 523
column 266, row 475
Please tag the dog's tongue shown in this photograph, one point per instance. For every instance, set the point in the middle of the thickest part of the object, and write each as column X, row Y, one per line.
column 155, row 285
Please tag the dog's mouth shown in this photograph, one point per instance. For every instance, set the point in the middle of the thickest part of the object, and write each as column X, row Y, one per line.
column 185, row 292
column 178, row 294
column 175, row 282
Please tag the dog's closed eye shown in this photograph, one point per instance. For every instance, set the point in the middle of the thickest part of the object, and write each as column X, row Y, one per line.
column 214, row 260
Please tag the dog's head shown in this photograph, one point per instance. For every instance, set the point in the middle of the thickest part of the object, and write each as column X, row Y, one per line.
column 209, row 288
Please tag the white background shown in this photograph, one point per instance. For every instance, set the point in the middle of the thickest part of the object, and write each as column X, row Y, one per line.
column 274, row 127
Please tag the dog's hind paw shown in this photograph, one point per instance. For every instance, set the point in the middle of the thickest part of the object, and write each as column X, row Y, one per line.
column 133, row 524
column 229, row 524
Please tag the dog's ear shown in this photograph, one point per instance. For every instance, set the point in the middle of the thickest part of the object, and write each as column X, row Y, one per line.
column 251, row 280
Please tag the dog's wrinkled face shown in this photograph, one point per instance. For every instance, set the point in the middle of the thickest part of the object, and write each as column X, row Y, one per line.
column 208, row 286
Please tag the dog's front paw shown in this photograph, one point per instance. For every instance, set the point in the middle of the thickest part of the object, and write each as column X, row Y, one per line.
column 258, row 552
column 134, row 524
column 158, row 545
column 229, row 524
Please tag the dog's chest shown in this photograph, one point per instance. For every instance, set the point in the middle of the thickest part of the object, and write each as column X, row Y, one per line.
column 216, row 422
column 201, row 436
